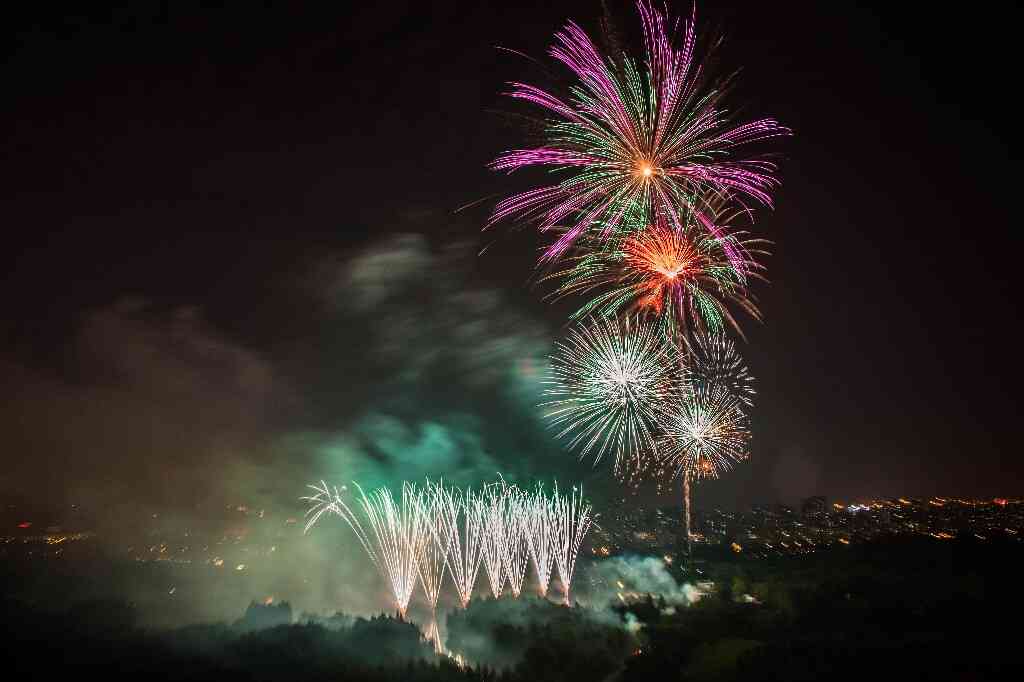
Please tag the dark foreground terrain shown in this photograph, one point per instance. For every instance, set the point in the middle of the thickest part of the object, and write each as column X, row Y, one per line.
column 910, row 610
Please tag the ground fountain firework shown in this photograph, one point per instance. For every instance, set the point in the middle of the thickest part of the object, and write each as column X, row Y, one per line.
column 435, row 529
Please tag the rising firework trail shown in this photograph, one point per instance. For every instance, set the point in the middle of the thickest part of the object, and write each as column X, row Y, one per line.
column 608, row 381
column 705, row 436
column 635, row 139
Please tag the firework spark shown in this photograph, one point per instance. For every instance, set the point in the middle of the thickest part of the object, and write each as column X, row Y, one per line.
column 650, row 138
column 608, row 381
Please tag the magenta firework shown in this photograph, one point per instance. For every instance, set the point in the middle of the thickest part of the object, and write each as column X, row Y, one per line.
column 635, row 139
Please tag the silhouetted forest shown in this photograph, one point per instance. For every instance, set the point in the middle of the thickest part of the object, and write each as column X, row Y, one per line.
column 913, row 610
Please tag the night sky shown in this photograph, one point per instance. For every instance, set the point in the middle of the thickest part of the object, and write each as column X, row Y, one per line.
column 231, row 261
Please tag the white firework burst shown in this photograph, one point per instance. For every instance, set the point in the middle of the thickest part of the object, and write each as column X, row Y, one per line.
column 609, row 381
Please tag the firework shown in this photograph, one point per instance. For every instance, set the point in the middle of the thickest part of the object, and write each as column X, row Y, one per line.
column 517, row 553
column 572, row 521
column 495, row 536
column 714, row 361
column 460, row 518
column 393, row 540
column 707, row 434
column 329, row 500
column 540, row 532
column 608, row 381
column 685, row 278
column 634, row 139
column 430, row 538
column 430, row 527
column 397, row 530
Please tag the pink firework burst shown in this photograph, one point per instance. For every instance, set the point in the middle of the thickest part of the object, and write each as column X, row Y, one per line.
column 634, row 139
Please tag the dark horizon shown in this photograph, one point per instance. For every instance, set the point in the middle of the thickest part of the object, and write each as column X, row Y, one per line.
column 236, row 266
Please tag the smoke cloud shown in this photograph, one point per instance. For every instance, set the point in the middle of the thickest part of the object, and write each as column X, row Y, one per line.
column 623, row 579
column 392, row 363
